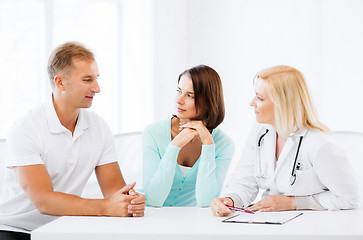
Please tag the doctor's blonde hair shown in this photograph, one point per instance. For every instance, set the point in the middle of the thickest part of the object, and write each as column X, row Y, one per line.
column 293, row 105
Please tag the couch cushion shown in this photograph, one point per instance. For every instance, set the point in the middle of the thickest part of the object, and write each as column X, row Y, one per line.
column 352, row 143
column 129, row 153
column 2, row 163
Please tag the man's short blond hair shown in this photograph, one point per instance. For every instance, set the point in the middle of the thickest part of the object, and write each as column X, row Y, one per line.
column 60, row 61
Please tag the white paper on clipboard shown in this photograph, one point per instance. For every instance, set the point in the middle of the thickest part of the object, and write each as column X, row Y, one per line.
column 263, row 217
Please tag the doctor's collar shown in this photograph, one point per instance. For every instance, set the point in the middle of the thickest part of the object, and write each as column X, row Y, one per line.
column 296, row 133
column 299, row 133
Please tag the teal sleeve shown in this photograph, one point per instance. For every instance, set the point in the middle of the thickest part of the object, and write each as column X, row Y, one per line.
column 158, row 171
column 212, row 170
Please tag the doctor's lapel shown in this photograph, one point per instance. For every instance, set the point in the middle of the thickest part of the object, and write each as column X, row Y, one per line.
column 287, row 156
column 266, row 159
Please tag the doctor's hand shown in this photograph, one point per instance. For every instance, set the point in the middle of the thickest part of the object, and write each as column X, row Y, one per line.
column 203, row 132
column 274, row 204
column 184, row 137
column 219, row 208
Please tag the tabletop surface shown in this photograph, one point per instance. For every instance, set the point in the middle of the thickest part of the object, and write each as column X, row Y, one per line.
column 198, row 223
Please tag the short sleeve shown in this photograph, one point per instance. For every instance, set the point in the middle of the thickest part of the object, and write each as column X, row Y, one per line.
column 109, row 154
column 22, row 148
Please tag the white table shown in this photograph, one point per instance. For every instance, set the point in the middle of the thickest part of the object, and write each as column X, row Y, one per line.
column 198, row 223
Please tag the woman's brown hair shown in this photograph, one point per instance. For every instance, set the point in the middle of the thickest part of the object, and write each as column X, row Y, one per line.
column 208, row 95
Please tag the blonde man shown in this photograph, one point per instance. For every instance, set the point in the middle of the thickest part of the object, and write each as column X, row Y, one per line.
column 55, row 147
column 288, row 154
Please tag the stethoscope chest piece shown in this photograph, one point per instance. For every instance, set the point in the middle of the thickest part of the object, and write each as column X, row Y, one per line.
column 292, row 179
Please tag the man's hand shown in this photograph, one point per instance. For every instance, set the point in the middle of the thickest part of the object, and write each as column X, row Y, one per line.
column 137, row 206
column 117, row 204
column 125, row 203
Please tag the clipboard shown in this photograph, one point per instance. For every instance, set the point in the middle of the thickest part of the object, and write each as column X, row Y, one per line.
column 263, row 217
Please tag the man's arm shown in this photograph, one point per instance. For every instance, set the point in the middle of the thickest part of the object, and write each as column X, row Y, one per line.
column 37, row 184
column 110, row 180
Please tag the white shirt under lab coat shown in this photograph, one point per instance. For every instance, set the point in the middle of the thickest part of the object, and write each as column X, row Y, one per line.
column 324, row 172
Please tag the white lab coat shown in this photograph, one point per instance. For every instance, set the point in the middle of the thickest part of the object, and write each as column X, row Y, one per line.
column 324, row 170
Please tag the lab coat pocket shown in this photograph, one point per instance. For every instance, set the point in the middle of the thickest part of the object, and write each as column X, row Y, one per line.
column 306, row 183
column 264, row 183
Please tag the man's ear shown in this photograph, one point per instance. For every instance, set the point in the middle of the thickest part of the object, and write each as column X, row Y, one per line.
column 58, row 82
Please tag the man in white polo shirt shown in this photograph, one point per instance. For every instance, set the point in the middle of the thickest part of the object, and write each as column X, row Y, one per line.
column 53, row 149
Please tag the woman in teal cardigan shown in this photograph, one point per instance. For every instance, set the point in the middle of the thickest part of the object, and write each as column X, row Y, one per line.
column 186, row 157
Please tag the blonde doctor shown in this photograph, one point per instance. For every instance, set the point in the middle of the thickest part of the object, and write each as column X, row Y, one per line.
column 288, row 154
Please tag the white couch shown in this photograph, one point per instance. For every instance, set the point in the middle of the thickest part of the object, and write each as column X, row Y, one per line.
column 129, row 149
column 2, row 167
column 129, row 152
column 352, row 143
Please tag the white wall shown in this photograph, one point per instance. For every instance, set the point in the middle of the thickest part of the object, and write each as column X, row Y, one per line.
column 342, row 82
column 135, row 85
column 118, row 31
column 169, row 53
column 323, row 39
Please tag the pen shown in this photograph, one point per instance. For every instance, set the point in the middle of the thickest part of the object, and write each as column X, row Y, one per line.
column 240, row 209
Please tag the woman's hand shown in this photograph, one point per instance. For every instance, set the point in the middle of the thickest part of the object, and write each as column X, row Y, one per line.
column 219, row 208
column 184, row 137
column 274, row 204
column 204, row 134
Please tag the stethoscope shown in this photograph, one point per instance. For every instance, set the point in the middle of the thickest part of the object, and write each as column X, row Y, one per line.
column 296, row 165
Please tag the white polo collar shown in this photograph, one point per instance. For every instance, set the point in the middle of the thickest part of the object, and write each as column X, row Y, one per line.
column 55, row 125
